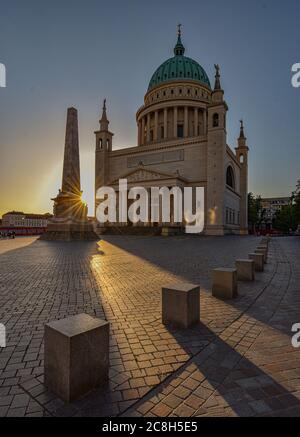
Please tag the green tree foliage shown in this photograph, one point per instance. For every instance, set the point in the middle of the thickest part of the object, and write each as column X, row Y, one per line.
column 296, row 202
column 256, row 213
column 285, row 219
column 288, row 218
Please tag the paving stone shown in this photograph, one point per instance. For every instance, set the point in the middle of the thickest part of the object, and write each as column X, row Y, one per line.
column 16, row 412
column 240, row 353
column 161, row 410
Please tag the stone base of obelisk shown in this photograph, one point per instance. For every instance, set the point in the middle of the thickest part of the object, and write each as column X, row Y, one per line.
column 69, row 231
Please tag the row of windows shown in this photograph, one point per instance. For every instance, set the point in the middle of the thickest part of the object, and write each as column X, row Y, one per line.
column 161, row 133
column 170, row 92
column 232, row 217
column 30, row 223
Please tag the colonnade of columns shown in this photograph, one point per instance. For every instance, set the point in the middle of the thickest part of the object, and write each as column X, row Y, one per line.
column 149, row 132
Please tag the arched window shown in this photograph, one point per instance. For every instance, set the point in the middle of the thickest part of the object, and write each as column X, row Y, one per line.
column 107, row 143
column 100, row 143
column 215, row 120
column 230, row 177
column 241, row 159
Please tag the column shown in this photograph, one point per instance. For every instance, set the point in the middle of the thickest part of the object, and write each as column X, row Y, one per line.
column 165, row 122
column 155, row 136
column 139, row 132
column 143, row 131
column 196, row 122
column 148, row 127
column 186, row 122
column 205, row 121
column 175, row 122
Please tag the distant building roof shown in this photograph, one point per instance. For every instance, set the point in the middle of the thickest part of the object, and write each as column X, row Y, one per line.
column 13, row 213
column 29, row 215
column 269, row 199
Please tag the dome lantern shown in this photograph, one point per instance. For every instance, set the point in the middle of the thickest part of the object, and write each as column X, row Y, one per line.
column 179, row 68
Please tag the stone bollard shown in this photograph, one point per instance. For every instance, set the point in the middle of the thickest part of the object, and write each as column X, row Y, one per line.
column 264, row 245
column 181, row 305
column 263, row 251
column 76, row 355
column 258, row 259
column 224, row 283
column 264, row 248
column 245, row 269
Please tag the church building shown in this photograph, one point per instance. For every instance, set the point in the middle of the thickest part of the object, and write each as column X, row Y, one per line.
column 182, row 141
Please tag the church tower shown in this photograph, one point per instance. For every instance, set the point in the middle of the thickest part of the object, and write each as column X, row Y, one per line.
column 103, row 149
column 216, row 155
column 242, row 156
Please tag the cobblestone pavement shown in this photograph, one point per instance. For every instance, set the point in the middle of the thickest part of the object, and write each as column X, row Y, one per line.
column 238, row 361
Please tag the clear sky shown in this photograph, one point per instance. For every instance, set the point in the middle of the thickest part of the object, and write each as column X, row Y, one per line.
column 74, row 53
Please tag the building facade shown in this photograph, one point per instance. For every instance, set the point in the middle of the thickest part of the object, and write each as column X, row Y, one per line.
column 182, row 141
column 271, row 206
column 17, row 219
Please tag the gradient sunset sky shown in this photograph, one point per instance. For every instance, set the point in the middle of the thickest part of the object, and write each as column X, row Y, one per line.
column 76, row 53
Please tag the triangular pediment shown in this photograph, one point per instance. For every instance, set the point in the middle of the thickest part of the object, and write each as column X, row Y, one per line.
column 142, row 174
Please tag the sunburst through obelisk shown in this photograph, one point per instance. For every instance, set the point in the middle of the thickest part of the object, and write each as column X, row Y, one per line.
column 70, row 220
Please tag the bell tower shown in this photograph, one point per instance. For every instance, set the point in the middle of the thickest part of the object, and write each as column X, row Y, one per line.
column 103, row 149
column 242, row 156
column 216, row 155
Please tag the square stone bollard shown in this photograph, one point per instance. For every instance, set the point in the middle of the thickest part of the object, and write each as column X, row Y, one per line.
column 263, row 252
column 263, row 248
column 181, row 305
column 258, row 259
column 76, row 355
column 224, row 283
column 245, row 269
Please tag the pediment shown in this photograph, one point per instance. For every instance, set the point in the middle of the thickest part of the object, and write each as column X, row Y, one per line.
column 142, row 174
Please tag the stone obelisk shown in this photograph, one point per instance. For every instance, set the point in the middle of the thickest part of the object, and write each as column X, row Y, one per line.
column 70, row 220
column 71, row 170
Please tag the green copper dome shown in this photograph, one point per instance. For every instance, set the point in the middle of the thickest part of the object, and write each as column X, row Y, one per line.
column 179, row 68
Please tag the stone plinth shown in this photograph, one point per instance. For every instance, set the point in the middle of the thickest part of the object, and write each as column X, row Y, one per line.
column 224, row 283
column 258, row 259
column 69, row 230
column 245, row 269
column 181, row 305
column 76, row 355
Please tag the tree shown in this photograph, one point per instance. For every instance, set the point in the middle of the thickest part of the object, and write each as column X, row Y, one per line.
column 285, row 219
column 296, row 202
column 256, row 213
